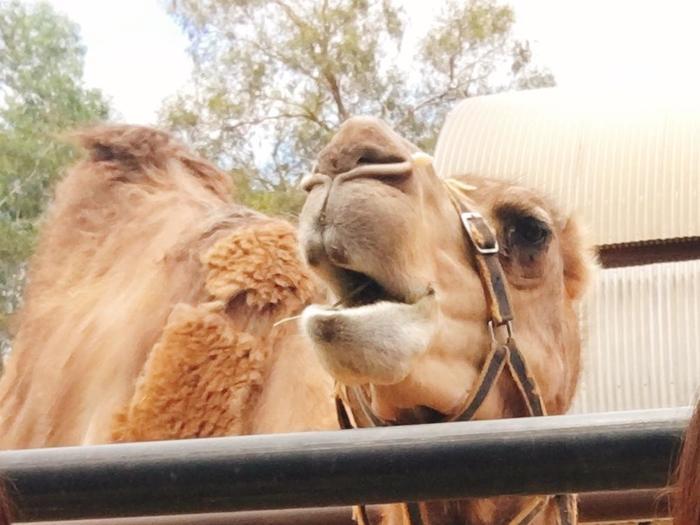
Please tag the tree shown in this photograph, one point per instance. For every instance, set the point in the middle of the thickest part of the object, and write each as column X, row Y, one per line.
column 274, row 78
column 41, row 96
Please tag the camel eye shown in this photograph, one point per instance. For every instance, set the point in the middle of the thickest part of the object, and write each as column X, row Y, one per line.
column 524, row 249
column 527, row 232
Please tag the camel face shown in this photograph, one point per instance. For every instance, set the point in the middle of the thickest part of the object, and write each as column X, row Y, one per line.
column 411, row 323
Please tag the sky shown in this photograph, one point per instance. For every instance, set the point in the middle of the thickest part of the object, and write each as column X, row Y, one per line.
column 137, row 54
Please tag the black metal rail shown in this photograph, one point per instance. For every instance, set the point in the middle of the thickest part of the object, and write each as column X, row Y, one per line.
column 593, row 452
column 593, row 507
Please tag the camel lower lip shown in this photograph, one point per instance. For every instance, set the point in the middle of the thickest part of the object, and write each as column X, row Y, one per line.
column 374, row 343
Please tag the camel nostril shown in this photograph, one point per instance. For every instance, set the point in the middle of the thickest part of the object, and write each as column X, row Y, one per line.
column 314, row 251
column 337, row 254
column 376, row 156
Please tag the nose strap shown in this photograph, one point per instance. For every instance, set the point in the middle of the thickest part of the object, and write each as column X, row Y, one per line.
column 377, row 170
column 361, row 171
column 495, row 362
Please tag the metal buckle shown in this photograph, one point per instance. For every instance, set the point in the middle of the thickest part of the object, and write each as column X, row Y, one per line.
column 492, row 330
column 467, row 217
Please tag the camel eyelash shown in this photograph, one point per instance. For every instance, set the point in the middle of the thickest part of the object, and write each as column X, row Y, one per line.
column 512, row 212
column 528, row 230
column 524, row 227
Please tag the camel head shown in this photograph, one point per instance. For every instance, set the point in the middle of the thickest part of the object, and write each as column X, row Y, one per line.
column 411, row 322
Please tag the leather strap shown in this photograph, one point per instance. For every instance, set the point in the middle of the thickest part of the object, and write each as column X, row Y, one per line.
column 524, row 380
column 530, row 511
column 568, row 508
column 486, row 249
column 359, row 514
column 492, row 368
column 413, row 513
column 342, row 414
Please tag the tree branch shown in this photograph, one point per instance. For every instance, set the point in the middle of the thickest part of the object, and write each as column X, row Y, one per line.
column 261, row 120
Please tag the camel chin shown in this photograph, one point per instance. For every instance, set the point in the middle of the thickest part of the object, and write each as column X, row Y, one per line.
column 375, row 343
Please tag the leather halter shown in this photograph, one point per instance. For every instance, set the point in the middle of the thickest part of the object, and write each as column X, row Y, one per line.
column 503, row 355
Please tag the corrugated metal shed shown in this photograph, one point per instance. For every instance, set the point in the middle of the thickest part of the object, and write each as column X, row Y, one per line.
column 630, row 165
column 642, row 327
column 631, row 168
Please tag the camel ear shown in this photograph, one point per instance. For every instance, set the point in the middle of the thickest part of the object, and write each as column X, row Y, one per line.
column 579, row 259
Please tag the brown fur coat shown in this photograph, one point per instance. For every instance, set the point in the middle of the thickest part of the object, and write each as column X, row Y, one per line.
column 151, row 304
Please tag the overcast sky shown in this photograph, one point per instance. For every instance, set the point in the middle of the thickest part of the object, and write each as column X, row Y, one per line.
column 137, row 55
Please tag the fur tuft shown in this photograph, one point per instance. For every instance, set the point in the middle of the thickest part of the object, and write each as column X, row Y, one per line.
column 137, row 154
column 580, row 259
column 200, row 380
column 260, row 262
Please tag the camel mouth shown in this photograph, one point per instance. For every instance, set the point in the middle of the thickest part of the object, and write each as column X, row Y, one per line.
column 374, row 343
column 359, row 289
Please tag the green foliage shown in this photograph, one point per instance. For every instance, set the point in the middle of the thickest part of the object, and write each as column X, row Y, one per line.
column 274, row 78
column 285, row 202
column 41, row 96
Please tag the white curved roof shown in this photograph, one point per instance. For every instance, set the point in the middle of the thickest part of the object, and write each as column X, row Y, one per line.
column 629, row 165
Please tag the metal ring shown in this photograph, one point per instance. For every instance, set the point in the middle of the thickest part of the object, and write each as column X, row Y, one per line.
column 492, row 330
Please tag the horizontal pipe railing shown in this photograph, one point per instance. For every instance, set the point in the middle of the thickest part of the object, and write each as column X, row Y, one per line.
column 593, row 507
column 583, row 453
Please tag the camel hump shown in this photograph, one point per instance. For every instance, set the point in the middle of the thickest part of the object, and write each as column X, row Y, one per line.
column 133, row 146
column 139, row 152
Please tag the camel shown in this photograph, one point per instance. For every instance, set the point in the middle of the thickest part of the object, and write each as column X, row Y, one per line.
column 159, row 309
column 412, row 325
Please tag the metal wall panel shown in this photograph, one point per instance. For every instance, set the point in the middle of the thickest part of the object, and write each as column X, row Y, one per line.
column 641, row 327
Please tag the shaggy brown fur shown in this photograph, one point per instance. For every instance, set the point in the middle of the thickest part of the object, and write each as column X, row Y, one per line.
column 687, row 495
column 145, row 268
